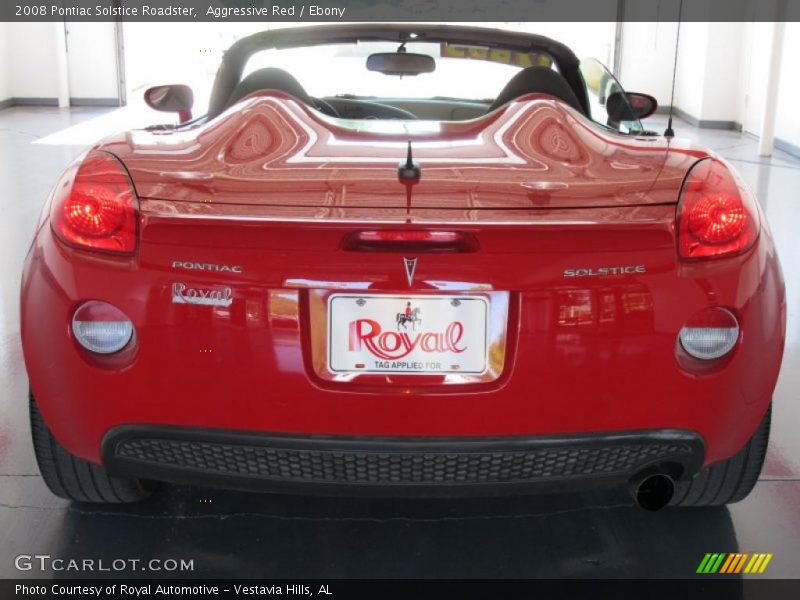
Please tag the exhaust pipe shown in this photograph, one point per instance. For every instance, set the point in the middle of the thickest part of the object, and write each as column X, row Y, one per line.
column 653, row 491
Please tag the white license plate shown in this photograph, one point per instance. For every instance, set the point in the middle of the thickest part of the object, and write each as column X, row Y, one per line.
column 412, row 334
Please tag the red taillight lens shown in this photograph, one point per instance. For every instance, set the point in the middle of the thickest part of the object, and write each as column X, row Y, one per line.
column 717, row 216
column 97, row 209
column 400, row 235
column 409, row 240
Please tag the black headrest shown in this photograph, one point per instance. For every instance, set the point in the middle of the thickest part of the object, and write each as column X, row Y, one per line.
column 269, row 79
column 533, row 80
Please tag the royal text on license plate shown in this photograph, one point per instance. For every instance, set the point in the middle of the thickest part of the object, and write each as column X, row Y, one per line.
column 412, row 334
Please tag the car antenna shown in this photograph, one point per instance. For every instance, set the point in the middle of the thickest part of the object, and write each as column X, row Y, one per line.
column 409, row 171
column 669, row 132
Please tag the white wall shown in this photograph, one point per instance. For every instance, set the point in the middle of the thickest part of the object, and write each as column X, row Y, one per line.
column 787, row 125
column 92, row 60
column 29, row 65
column 31, row 48
column 647, row 57
column 5, row 79
column 709, row 70
column 691, row 72
column 723, row 70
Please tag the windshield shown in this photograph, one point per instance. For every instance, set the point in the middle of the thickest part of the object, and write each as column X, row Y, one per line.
column 463, row 72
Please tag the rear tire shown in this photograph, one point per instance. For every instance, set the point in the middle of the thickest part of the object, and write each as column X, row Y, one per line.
column 73, row 478
column 731, row 480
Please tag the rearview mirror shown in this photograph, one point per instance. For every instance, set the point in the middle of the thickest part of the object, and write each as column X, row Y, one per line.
column 171, row 98
column 630, row 106
column 400, row 63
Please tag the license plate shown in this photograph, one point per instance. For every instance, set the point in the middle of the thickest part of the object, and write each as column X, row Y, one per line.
column 422, row 335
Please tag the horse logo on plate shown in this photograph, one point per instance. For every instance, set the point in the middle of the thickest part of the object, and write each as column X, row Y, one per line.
column 409, row 315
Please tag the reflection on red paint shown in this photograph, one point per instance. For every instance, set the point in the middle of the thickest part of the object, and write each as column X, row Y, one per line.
column 575, row 307
column 628, row 305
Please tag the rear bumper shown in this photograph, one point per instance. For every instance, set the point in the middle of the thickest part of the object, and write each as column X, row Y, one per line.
column 593, row 355
column 416, row 466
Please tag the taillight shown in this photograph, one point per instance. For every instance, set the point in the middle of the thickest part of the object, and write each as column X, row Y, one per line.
column 717, row 216
column 97, row 210
column 710, row 334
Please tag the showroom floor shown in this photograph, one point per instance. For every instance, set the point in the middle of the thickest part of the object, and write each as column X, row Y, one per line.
column 251, row 535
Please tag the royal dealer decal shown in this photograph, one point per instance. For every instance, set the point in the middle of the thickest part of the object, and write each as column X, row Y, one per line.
column 184, row 294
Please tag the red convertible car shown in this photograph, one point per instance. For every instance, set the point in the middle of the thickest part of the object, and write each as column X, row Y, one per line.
column 450, row 261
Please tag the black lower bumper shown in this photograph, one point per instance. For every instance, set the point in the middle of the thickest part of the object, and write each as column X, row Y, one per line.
column 414, row 466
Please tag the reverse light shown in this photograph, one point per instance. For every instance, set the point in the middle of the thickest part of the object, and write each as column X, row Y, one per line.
column 710, row 334
column 101, row 327
column 97, row 208
column 717, row 217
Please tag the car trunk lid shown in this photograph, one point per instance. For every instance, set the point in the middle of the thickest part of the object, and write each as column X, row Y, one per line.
column 271, row 151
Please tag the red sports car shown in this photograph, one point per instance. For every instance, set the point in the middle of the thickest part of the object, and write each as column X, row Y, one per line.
column 451, row 261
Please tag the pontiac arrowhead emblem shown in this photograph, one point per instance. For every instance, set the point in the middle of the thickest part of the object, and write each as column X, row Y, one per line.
column 411, row 267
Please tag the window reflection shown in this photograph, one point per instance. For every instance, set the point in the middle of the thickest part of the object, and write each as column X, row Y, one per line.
column 624, row 307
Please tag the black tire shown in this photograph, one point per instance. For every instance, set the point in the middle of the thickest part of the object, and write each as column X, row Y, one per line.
column 731, row 480
column 75, row 479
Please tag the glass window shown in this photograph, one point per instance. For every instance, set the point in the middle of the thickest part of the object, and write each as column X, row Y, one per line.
column 601, row 85
column 462, row 72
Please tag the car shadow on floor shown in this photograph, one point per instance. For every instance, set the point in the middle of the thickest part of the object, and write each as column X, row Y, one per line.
column 238, row 534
